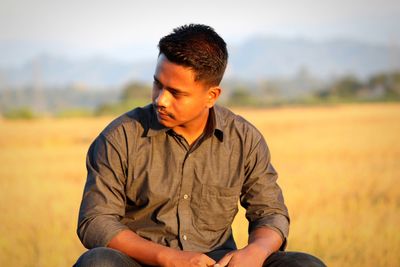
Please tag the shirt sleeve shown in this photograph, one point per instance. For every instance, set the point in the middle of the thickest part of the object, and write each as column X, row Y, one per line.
column 103, row 201
column 261, row 195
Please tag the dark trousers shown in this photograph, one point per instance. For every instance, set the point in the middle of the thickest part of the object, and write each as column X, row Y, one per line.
column 107, row 257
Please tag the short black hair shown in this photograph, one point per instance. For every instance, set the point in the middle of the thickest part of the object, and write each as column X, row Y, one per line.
column 199, row 48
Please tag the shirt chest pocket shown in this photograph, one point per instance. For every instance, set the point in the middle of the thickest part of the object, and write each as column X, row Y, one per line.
column 215, row 207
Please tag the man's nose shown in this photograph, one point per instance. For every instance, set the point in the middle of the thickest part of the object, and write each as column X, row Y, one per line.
column 163, row 98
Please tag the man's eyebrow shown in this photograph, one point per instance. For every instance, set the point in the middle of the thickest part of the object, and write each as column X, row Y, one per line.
column 174, row 90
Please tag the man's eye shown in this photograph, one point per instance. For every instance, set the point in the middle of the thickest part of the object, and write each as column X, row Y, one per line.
column 176, row 94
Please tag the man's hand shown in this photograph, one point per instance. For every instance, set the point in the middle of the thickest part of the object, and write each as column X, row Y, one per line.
column 248, row 256
column 187, row 259
column 263, row 242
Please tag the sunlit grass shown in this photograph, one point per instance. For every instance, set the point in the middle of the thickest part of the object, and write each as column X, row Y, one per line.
column 338, row 168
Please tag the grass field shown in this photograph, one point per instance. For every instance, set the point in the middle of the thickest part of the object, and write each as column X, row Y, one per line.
column 339, row 170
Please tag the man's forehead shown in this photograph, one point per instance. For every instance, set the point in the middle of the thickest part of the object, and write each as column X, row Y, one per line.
column 174, row 75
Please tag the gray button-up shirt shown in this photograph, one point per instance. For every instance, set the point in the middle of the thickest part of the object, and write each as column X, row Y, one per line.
column 144, row 177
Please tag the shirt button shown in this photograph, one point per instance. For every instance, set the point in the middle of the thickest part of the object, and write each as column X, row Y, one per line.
column 184, row 237
column 185, row 196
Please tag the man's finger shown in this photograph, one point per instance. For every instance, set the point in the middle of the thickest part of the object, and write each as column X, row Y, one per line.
column 209, row 261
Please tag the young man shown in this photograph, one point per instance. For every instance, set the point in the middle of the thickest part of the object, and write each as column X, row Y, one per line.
column 164, row 180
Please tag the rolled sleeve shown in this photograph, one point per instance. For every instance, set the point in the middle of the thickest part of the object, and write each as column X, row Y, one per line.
column 103, row 201
column 261, row 195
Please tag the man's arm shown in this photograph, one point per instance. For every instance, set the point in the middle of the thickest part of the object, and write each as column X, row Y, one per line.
column 150, row 253
column 263, row 242
column 261, row 195
column 103, row 200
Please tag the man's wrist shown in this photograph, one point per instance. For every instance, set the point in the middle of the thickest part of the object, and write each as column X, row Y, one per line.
column 164, row 256
column 259, row 250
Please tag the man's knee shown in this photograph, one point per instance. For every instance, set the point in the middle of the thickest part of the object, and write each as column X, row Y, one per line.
column 105, row 257
column 293, row 259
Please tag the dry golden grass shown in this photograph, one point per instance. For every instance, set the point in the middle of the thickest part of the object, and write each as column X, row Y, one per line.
column 338, row 168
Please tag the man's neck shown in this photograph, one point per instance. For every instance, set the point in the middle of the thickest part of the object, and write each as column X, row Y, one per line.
column 193, row 130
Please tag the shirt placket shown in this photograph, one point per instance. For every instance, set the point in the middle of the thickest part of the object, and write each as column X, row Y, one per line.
column 184, row 211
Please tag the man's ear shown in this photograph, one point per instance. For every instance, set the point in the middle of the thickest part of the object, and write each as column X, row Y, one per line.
column 212, row 95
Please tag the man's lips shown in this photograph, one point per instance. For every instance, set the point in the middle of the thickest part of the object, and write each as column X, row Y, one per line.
column 164, row 114
column 161, row 112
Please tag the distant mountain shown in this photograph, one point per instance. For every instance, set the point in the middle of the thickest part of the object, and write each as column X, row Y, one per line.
column 276, row 57
column 97, row 72
column 256, row 59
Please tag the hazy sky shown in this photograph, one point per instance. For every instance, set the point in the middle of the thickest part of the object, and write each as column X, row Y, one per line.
column 105, row 25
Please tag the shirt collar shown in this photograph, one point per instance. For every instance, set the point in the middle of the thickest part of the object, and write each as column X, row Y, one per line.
column 214, row 124
column 217, row 122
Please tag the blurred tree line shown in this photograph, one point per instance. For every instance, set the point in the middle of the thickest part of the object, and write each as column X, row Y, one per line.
column 385, row 86
column 302, row 89
column 380, row 87
column 134, row 94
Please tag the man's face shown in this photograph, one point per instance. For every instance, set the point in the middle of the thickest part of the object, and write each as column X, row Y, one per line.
column 180, row 101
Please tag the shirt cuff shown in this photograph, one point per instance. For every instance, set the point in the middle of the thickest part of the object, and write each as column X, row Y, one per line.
column 276, row 222
column 100, row 231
